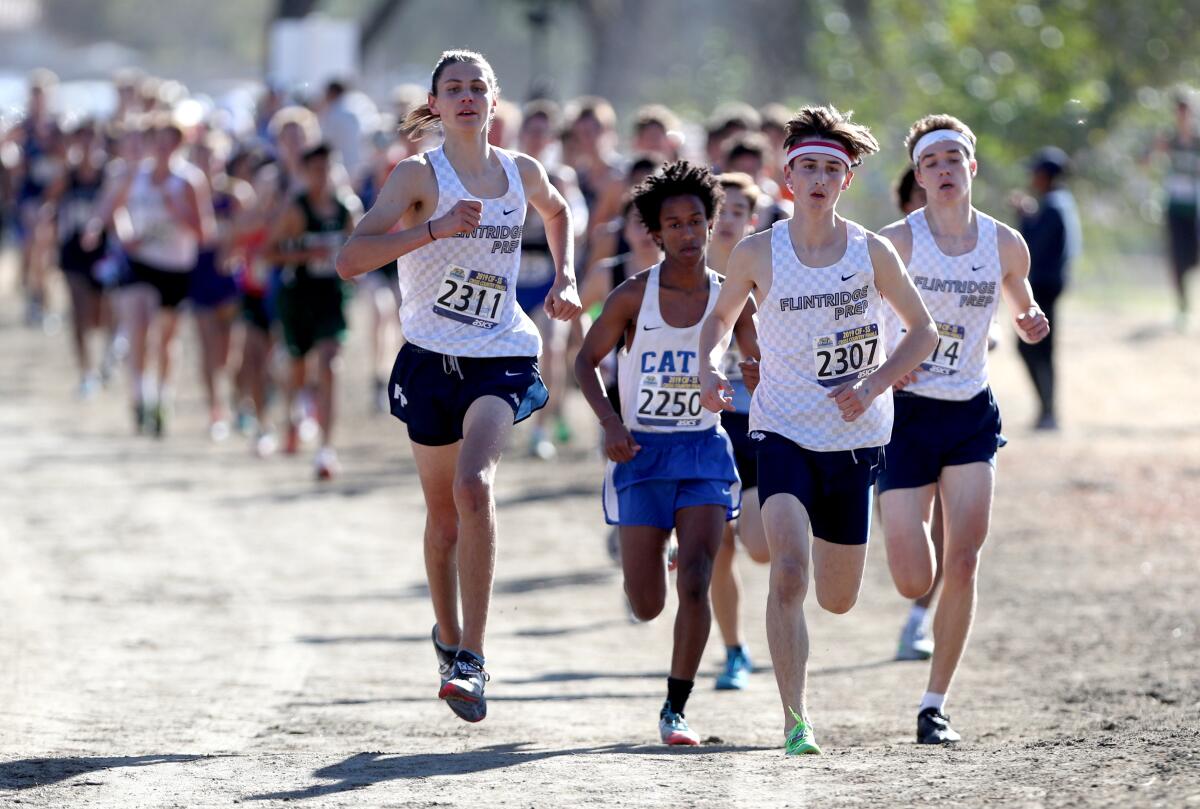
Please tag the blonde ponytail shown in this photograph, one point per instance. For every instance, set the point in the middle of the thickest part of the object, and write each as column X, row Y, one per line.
column 420, row 119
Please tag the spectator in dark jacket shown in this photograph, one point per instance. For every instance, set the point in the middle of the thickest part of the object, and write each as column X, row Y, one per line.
column 1050, row 225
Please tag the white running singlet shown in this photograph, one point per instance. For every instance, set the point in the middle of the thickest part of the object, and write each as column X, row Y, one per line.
column 659, row 373
column 162, row 242
column 961, row 293
column 817, row 328
column 458, row 294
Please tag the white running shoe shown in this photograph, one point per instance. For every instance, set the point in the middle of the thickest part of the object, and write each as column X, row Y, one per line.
column 673, row 728
column 916, row 642
column 326, row 463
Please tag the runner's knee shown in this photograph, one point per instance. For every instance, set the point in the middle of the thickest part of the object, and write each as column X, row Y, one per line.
column 692, row 581
column 836, row 602
column 789, row 576
column 441, row 532
column 960, row 566
column 646, row 606
column 472, row 493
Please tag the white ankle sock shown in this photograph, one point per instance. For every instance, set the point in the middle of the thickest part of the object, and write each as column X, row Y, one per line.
column 932, row 700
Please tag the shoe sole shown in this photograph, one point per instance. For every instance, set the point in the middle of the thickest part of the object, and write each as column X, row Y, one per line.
column 465, row 706
column 680, row 740
column 726, row 686
column 811, row 751
column 912, row 654
column 942, row 742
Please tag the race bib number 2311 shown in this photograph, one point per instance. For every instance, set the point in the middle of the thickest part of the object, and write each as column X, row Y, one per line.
column 472, row 297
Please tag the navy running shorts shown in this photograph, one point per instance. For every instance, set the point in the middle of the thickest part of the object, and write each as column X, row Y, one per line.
column 172, row 287
column 834, row 487
column 431, row 392
column 209, row 287
column 737, row 425
column 672, row 471
column 930, row 434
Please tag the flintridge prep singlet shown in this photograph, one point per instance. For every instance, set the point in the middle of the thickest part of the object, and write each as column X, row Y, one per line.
column 459, row 293
column 961, row 294
column 819, row 327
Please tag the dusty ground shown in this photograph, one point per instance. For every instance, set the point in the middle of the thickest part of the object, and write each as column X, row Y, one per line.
column 183, row 625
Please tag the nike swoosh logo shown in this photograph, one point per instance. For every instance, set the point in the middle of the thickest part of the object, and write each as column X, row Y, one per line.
column 510, row 373
column 726, row 491
column 848, row 277
column 650, row 328
column 977, row 269
column 514, row 210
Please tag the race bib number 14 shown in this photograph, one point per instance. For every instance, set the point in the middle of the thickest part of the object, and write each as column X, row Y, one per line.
column 471, row 297
column 944, row 359
column 847, row 355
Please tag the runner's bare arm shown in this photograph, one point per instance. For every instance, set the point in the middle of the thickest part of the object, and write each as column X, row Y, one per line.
column 892, row 281
column 288, row 227
column 597, row 283
column 410, row 190
column 900, row 235
column 745, row 332
column 113, row 195
column 562, row 302
column 619, row 311
column 197, row 214
column 715, row 392
column 1031, row 322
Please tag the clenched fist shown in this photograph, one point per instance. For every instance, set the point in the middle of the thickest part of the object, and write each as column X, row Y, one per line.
column 462, row 218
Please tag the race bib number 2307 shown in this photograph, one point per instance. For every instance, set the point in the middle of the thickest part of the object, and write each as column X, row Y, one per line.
column 847, row 355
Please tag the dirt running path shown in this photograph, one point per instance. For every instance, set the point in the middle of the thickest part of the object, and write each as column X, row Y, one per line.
column 183, row 625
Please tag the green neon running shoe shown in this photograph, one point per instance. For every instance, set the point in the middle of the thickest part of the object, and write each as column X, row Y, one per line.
column 801, row 741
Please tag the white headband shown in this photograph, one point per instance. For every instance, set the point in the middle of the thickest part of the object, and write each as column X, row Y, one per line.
column 825, row 147
column 939, row 135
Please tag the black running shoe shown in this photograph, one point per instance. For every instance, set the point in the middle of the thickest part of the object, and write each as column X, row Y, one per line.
column 445, row 657
column 933, row 727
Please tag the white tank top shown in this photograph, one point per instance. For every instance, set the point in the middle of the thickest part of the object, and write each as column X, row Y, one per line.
column 459, row 294
column 960, row 293
column 659, row 373
column 817, row 328
column 163, row 242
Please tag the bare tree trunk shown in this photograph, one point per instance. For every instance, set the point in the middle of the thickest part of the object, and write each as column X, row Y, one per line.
column 294, row 9
column 376, row 24
column 615, row 28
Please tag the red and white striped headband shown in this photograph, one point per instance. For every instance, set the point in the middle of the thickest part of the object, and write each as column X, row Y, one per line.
column 825, row 147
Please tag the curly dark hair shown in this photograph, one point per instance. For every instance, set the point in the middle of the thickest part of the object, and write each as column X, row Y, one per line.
column 678, row 179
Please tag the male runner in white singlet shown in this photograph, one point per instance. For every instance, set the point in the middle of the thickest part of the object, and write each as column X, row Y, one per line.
column 823, row 408
column 947, row 425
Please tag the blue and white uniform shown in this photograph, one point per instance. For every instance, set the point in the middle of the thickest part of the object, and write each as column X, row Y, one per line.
column 948, row 416
column 820, row 327
column 685, row 458
column 466, row 336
